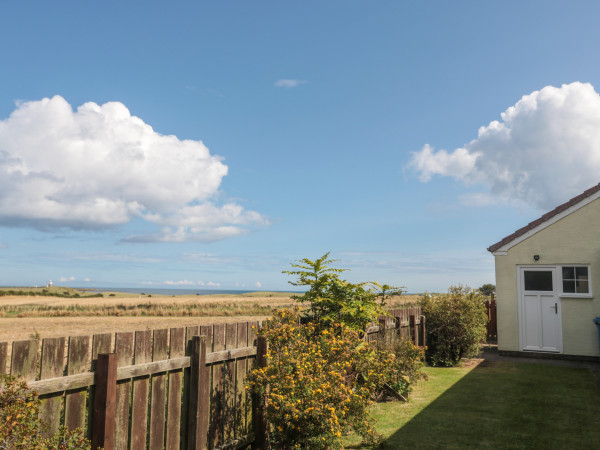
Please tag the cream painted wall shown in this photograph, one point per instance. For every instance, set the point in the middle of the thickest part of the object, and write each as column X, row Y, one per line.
column 575, row 239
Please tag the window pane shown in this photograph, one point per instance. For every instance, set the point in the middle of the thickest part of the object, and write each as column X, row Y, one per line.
column 568, row 273
column 582, row 287
column 538, row 280
column 582, row 273
column 568, row 286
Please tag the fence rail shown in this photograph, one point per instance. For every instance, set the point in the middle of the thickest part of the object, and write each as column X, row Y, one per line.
column 167, row 388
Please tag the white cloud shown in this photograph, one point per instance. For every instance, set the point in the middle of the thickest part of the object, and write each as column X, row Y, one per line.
column 99, row 166
column 258, row 284
column 87, row 280
column 289, row 83
column 543, row 151
column 213, row 284
column 66, row 279
column 170, row 283
column 180, row 283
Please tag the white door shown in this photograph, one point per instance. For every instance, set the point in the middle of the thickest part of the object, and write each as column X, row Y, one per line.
column 540, row 309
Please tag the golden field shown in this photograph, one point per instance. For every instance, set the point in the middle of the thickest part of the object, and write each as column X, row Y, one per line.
column 41, row 316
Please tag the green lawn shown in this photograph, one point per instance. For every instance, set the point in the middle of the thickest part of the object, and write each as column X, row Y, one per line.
column 496, row 405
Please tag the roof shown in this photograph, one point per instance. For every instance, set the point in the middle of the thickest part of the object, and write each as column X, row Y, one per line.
column 546, row 217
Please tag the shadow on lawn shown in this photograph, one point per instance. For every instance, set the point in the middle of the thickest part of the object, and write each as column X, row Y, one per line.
column 508, row 405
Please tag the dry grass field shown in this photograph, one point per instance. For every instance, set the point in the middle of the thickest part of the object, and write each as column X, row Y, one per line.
column 27, row 316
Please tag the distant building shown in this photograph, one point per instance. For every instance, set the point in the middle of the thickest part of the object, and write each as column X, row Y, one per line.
column 49, row 284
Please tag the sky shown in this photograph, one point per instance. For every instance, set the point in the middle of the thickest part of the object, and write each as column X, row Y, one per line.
column 209, row 145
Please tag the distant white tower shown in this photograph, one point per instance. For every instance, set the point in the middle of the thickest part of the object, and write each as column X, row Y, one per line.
column 49, row 284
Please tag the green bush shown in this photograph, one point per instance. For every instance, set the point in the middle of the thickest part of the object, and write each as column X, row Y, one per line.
column 408, row 363
column 20, row 425
column 332, row 300
column 456, row 325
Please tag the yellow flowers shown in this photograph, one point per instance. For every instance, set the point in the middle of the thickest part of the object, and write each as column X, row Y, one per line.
column 316, row 367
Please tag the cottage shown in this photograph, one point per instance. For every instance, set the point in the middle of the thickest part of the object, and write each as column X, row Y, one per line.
column 548, row 281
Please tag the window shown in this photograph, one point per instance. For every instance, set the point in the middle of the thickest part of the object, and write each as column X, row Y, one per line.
column 538, row 280
column 575, row 280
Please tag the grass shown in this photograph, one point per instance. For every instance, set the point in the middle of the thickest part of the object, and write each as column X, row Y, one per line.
column 494, row 405
column 142, row 309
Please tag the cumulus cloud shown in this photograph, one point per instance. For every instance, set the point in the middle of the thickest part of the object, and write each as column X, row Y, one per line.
column 258, row 284
column 543, row 151
column 99, row 166
column 66, row 279
column 287, row 83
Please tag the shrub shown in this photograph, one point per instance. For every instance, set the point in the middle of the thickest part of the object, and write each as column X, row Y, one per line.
column 333, row 300
column 456, row 325
column 407, row 368
column 21, row 426
column 318, row 382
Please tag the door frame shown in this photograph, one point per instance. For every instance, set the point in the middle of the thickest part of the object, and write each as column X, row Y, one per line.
column 556, row 291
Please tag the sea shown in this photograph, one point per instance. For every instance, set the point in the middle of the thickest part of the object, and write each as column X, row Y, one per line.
column 167, row 291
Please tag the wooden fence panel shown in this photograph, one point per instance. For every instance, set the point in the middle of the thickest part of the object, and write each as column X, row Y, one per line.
column 124, row 351
column 215, row 432
column 160, row 351
column 250, row 362
column 139, row 407
column 229, row 378
column 24, row 359
column 78, row 362
column 190, row 332
column 175, row 380
column 240, row 391
column 53, row 356
column 101, row 343
column 3, row 358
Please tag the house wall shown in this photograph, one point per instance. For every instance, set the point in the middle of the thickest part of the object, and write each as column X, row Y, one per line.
column 575, row 239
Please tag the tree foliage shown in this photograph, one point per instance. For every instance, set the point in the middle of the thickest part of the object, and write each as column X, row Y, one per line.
column 487, row 289
column 456, row 325
column 333, row 300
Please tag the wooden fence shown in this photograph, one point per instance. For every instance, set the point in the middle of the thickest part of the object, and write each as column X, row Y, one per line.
column 158, row 389
column 177, row 388
column 492, row 318
column 406, row 323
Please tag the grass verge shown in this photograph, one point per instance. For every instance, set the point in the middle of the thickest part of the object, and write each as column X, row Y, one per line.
column 494, row 405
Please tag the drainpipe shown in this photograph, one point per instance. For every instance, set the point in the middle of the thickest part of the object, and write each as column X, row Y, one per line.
column 597, row 322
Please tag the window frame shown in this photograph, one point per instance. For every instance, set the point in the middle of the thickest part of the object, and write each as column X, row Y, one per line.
column 575, row 294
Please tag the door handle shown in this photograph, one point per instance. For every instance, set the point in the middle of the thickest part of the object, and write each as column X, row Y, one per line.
column 555, row 308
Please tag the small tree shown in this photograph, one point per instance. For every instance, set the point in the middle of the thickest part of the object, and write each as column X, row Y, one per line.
column 487, row 289
column 456, row 325
column 333, row 300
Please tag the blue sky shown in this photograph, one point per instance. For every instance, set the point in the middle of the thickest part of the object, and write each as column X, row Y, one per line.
column 210, row 144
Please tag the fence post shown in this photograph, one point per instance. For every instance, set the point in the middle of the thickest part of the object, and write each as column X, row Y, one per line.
column 413, row 329
column 260, row 422
column 105, row 401
column 424, row 332
column 199, row 385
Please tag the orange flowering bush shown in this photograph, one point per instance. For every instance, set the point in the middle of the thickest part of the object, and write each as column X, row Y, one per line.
column 318, row 383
